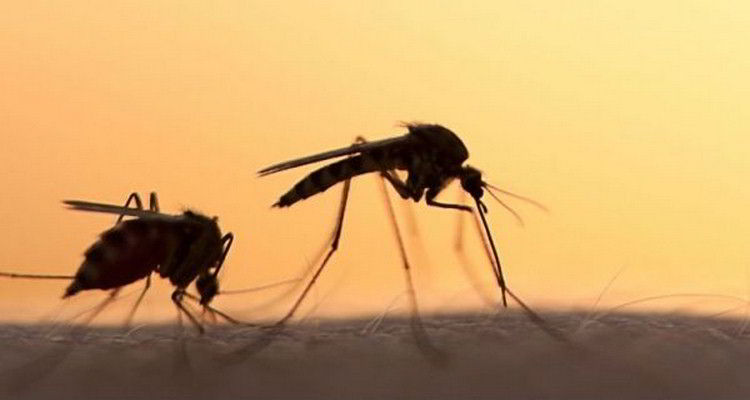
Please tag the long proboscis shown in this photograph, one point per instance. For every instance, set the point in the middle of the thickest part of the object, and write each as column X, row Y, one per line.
column 36, row 276
column 497, row 266
column 533, row 316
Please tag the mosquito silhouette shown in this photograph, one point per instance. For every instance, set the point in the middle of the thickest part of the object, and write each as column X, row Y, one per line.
column 183, row 248
column 432, row 156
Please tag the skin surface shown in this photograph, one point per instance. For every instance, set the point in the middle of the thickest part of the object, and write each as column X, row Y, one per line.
column 618, row 356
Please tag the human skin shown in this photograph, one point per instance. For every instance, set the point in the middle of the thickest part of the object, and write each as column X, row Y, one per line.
column 618, row 356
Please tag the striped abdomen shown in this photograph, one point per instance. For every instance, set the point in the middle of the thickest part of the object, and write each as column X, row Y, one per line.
column 128, row 252
column 325, row 177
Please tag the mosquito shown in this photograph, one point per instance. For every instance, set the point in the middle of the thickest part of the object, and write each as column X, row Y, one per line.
column 183, row 248
column 432, row 156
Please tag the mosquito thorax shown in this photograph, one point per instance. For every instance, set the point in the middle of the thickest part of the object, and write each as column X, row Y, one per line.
column 211, row 224
column 450, row 149
column 471, row 181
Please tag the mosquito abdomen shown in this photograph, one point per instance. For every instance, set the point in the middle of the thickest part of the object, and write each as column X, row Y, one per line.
column 124, row 254
column 325, row 177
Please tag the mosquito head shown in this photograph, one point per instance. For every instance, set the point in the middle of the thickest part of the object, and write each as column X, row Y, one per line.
column 471, row 181
column 207, row 286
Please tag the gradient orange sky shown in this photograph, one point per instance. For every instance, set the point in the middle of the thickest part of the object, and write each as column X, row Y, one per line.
column 627, row 119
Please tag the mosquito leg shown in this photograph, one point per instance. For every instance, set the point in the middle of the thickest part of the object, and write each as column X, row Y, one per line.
column 138, row 204
column 420, row 335
column 401, row 188
column 153, row 202
column 533, row 316
column 181, row 362
column 226, row 243
column 273, row 330
column 101, row 306
column 214, row 312
column 180, row 329
column 458, row 247
column 397, row 184
column 24, row 377
column 177, row 299
column 211, row 316
column 334, row 247
column 433, row 203
column 138, row 301
column 303, row 277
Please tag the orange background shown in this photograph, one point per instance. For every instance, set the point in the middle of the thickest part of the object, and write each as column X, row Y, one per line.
column 627, row 119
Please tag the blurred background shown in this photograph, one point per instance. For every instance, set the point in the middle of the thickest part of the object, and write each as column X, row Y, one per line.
column 628, row 120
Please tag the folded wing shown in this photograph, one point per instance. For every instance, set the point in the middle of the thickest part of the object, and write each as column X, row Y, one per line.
column 81, row 205
column 353, row 149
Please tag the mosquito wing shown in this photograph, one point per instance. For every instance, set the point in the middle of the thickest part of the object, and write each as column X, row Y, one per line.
column 355, row 148
column 113, row 209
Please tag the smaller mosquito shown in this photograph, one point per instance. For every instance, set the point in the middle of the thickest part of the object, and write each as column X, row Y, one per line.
column 182, row 248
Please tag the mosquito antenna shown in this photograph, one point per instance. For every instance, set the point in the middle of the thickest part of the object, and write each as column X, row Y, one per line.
column 35, row 276
column 259, row 288
column 517, row 196
column 507, row 207
column 499, row 269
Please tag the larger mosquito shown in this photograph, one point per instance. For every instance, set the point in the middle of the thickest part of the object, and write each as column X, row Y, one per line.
column 432, row 157
column 182, row 248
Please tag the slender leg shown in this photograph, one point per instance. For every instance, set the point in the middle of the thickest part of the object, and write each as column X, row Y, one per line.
column 397, row 184
column 272, row 331
column 153, row 205
column 177, row 299
column 138, row 204
column 303, row 277
column 101, row 306
column 181, row 362
column 458, row 246
column 153, row 202
column 433, row 203
column 211, row 316
column 22, row 378
column 226, row 242
column 138, row 302
column 214, row 311
column 420, row 335
column 334, row 247
column 533, row 316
